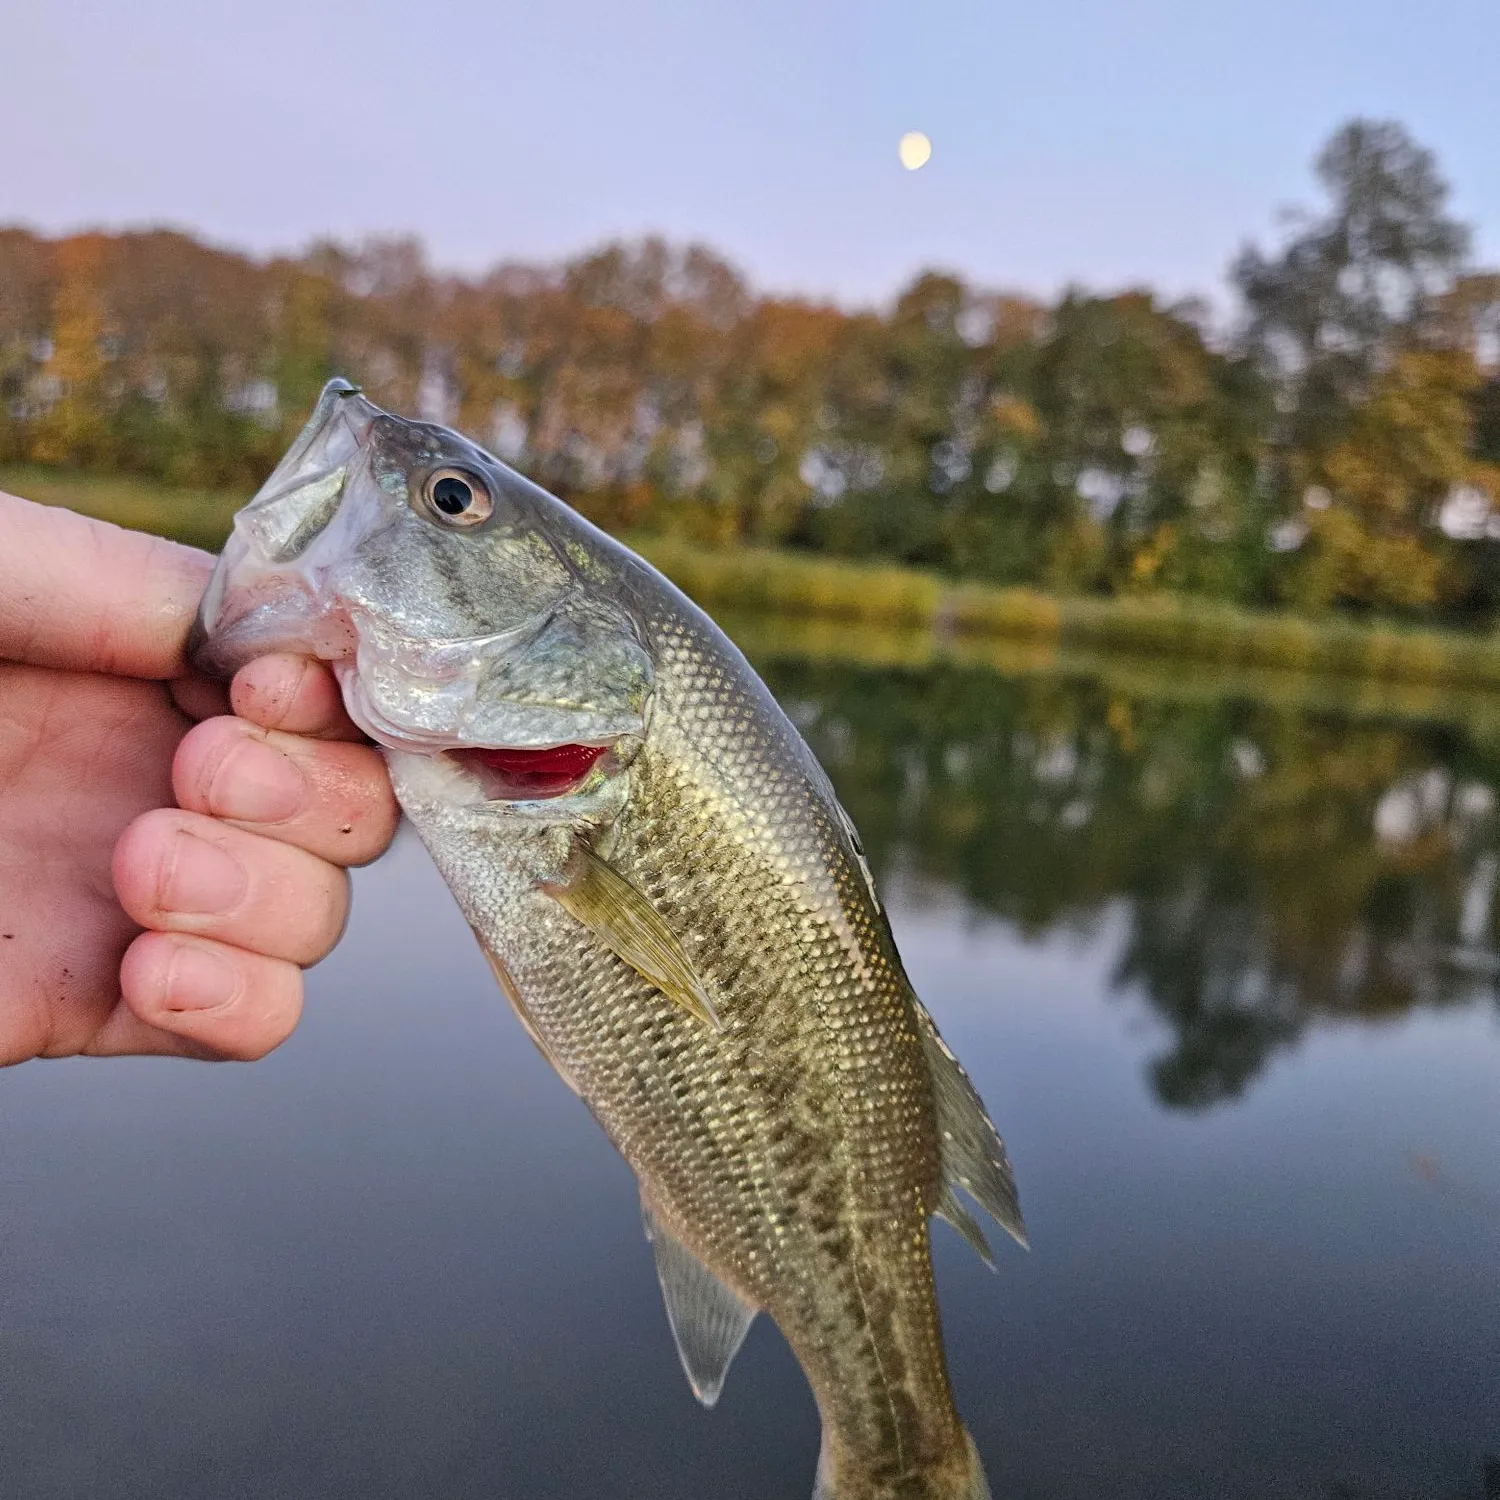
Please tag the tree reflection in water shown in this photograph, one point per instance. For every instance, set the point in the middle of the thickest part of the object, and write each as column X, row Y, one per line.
column 1275, row 865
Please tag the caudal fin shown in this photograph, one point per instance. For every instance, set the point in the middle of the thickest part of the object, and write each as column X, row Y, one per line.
column 961, row 1481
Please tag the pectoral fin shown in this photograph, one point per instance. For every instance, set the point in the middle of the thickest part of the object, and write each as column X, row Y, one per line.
column 973, row 1155
column 709, row 1320
column 633, row 930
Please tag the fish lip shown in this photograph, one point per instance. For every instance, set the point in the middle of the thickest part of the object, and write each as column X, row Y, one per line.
column 409, row 738
column 252, row 609
column 273, row 608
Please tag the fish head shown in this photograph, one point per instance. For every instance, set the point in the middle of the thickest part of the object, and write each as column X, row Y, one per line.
column 463, row 610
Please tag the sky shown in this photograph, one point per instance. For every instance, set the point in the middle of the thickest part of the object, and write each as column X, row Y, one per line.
column 1103, row 142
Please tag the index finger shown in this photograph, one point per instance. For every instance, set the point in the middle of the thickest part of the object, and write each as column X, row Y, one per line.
column 294, row 694
column 86, row 596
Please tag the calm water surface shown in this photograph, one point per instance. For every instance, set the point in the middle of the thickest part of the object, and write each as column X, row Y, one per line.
column 1223, row 966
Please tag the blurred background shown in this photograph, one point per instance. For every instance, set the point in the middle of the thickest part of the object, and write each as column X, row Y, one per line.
column 1176, row 303
column 1088, row 419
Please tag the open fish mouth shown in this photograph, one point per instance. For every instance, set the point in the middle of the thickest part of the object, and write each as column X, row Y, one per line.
column 529, row 775
column 343, row 556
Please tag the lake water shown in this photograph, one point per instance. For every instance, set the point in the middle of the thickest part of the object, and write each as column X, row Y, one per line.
column 1222, row 959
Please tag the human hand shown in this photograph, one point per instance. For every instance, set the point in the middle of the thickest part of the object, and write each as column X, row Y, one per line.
column 236, row 886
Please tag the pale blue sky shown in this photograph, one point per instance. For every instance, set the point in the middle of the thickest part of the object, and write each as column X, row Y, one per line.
column 1096, row 140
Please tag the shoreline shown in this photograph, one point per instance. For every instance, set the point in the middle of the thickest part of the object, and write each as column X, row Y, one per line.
column 907, row 615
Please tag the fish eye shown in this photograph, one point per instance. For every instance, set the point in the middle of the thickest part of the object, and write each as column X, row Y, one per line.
column 456, row 498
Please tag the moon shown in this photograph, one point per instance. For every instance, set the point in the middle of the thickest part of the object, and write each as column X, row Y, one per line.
column 914, row 149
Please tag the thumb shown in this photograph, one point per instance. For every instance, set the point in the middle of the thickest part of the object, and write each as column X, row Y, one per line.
column 86, row 596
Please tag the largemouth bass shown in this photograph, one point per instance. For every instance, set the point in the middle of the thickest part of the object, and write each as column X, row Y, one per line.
column 671, row 897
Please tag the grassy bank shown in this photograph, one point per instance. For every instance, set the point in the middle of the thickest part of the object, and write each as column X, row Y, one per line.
column 905, row 601
column 198, row 517
column 913, row 613
column 765, row 638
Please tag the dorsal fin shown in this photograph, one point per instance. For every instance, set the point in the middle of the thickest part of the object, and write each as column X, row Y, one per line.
column 973, row 1155
column 709, row 1320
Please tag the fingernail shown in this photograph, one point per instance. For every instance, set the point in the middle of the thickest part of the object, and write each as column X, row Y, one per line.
column 200, row 878
column 200, row 979
column 258, row 784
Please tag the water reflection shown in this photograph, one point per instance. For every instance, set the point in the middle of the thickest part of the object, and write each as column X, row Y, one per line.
column 1274, row 865
column 399, row 1259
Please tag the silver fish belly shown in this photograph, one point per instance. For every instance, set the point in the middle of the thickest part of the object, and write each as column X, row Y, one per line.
column 670, row 895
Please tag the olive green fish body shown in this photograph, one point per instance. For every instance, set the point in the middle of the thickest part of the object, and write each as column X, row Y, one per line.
column 795, row 1150
column 692, row 938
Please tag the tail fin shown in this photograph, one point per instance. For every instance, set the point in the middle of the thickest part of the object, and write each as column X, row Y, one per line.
column 964, row 1482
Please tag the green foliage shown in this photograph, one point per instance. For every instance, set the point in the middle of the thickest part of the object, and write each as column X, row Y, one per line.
column 1156, row 625
column 1103, row 447
column 755, row 578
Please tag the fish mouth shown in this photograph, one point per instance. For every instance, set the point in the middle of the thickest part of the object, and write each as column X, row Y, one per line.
column 250, row 608
column 510, row 775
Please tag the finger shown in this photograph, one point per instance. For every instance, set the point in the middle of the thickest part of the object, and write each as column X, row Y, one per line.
column 331, row 799
column 200, row 697
column 86, row 596
column 294, row 694
column 192, row 997
column 182, row 872
column 124, row 1034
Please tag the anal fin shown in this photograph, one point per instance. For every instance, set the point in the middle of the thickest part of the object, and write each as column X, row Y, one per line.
column 709, row 1320
column 973, row 1155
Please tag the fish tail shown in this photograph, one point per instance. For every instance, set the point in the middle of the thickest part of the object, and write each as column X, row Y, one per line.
column 962, row 1479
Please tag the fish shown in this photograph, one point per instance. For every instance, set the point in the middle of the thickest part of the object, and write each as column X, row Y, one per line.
column 671, row 897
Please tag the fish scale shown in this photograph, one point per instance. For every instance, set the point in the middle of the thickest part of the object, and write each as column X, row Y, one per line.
column 778, row 922
column 690, row 933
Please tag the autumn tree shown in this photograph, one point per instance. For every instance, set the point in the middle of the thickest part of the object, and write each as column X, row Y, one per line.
column 1327, row 311
column 1341, row 451
column 1375, row 430
column 1371, row 521
column 71, row 427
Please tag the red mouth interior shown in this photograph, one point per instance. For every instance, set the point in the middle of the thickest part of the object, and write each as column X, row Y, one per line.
column 538, row 773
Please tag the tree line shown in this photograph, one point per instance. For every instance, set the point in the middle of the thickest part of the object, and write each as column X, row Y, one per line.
column 1335, row 445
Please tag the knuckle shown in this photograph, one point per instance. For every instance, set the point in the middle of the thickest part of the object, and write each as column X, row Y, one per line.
column 376, row 805
column 274, row 1018
column 247, row 1048
column 355, row 806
